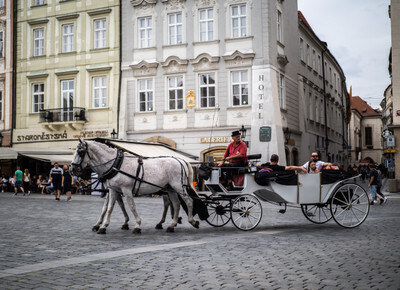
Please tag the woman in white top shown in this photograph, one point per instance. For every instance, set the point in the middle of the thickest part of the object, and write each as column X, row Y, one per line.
column 27, row 181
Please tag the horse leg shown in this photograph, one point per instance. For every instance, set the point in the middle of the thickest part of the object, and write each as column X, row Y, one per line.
column 96, row 227
column 164, row 215
column 112, row 198
column 189, row 203
column 172, row 213
column 120, row 201
column 173, row 197
column 131, row 203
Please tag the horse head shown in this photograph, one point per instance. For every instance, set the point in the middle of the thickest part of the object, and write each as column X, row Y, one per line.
column 81, row 158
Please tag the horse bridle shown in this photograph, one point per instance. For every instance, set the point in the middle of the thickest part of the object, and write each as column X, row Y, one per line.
column 81, row 153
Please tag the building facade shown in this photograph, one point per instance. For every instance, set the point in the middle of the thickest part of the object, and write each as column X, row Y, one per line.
column 6, row 71
column 68, row 54
column 193, row 71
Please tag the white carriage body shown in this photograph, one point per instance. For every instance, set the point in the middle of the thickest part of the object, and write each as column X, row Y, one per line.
column 309, row 188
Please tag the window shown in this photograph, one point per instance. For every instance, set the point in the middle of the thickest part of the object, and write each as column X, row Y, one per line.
column 368, row 136
column 145, row 32
column 67, row 100
column 1, row 3
column 38, row 97
column 39, row 2
column 316, row 110
column 301, row 49
column 207, row 90
column 67, row 38
column 145, row 95
column 310, row 106
column 1, row 44
column 175, row 93
column 282, row 97
column 308, row 55
column 314, row 60
column 335, row 81
column 319, row 65
column 322, row 116
column 240, row 88
column 238, row 16
column 175, row 28
column 99, row 33
column 38, row 42
column 99, row 92
column 279, row 26
column 206, row 24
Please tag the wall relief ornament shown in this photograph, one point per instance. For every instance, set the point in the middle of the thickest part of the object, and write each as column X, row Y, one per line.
column 173, row 5
column 144, row 68
column 174, row 64
column 190, row 99
column 239, row 59
column 205, row 61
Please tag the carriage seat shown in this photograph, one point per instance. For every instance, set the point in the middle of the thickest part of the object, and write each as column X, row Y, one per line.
column 287, row 177
column 331, row 175
column 254, row 156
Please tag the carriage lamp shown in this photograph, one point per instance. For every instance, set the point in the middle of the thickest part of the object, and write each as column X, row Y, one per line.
column 287, row 134
column 114, row 134
column 243, row 132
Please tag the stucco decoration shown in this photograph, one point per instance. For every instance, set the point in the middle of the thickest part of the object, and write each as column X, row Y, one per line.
column 200, row 4
column 174, row 64
column 239, row 59
column 205, row 62
column 282, row 59
column 173, row 5
column 144, row 68
column 136, row 3
column 160, row 139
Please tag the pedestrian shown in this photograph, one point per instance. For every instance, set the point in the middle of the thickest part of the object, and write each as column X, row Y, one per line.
column 379, row 186
column 56, row 174
column 67, row 182
column 27, row 181
column 18, row 181
column 373, row 182
column 363, row 171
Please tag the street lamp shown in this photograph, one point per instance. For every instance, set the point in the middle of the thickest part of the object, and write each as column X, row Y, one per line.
column 243, row 132
column 287, row 134
column 114, row 134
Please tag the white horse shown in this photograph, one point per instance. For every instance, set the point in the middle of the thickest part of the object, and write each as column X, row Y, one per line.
column 124, row 173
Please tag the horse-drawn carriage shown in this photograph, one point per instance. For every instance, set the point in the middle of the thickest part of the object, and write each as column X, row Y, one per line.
column 321, row 197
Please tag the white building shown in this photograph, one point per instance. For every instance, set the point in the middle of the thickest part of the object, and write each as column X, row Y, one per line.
column 193, row 71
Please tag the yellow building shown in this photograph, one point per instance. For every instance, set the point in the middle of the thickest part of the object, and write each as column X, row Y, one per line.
column 68, row 54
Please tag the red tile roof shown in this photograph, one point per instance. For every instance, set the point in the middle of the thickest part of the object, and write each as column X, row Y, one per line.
column 363, row 108
column 301, row 16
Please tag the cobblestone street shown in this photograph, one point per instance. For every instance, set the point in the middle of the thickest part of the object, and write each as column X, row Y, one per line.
column 49, row 244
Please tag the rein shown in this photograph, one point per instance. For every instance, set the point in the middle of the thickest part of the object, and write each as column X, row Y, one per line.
column 113, row 170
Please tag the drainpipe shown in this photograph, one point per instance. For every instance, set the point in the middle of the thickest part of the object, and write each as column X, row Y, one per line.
column 120, row 66
column 324, row 88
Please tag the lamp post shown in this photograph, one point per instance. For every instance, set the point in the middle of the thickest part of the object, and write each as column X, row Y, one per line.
column 287, row 134
column 114, row 134
column 243, row 132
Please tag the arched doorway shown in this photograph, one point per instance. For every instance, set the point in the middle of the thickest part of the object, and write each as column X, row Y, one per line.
column 295, row 157
column 213, row 154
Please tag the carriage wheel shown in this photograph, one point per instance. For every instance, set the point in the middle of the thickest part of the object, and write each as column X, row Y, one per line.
column 246, row 212
column 319, row 213
column 218, row 211
column 350, row 205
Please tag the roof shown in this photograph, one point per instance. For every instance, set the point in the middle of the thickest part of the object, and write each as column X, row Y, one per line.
column 363, row 108
column 301, row 16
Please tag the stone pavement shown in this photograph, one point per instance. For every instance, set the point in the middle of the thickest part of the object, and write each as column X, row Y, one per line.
column 47, row 244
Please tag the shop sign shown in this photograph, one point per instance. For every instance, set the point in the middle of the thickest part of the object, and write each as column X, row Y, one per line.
column 92, row 134
column 390, row 150
column 42, row 137
column 215, row 140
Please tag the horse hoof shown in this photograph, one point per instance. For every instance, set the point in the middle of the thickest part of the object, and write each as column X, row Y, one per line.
column 137, row 231
column 101, row 231
column 170, row 230
column 95, row 228
column 125, row 227
column 179, row 220
column 196, row 224
column 159, row 227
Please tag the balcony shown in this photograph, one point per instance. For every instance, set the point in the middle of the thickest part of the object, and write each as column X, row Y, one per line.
column 54, row 119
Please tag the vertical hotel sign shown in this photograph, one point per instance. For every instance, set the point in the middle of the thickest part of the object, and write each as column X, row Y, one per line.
column 260, row 97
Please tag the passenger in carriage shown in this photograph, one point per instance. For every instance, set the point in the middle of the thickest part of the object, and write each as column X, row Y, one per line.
column 312, row 167
column 273, row 165
column 236, row 155
column 320, row 164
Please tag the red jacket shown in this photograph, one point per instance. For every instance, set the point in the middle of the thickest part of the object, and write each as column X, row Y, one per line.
column 233, row 150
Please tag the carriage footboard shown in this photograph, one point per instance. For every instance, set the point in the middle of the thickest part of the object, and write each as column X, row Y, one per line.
column 269, row 196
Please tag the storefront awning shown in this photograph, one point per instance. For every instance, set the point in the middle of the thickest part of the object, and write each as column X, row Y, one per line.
column 7, row 153
column 59, row 158
column 152, row 150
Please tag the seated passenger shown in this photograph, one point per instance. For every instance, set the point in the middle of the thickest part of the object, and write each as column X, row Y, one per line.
column 312, row 167
column 319, row 163
column 273, row 164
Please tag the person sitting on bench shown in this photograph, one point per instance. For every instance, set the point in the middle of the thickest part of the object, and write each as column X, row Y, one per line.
column 236, row 155
column 273, row 165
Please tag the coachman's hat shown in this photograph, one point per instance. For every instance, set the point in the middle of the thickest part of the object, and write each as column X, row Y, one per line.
column 235, row 133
